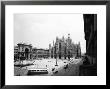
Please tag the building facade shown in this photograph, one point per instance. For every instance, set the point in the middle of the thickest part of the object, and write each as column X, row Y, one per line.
column 16, row 56
column 64, row 48
column 42, row 53
column 34, row 53
column 24, row 52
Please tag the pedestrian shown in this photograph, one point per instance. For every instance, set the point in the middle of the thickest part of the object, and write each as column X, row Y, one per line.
column 65, row 66
column 53, row 69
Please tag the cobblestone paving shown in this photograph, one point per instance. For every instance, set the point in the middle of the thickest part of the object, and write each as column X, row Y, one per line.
column 72, row 70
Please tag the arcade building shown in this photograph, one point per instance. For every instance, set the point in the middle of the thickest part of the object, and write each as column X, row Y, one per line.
column 26, row 52
column 23, row 50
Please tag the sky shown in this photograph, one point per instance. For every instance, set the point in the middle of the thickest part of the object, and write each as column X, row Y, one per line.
column 41, row 29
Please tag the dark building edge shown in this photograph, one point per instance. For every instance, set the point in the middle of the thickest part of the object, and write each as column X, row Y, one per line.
column 89, row 67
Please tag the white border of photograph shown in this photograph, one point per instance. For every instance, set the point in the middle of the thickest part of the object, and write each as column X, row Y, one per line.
column 100, row 79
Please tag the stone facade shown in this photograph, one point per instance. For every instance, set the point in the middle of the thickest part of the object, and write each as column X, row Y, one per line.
column 64, row 48
column 42, row 53
column 34, row 53
column 25, row 51
column 16, row 53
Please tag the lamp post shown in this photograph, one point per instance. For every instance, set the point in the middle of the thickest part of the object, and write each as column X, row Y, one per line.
column 56, row 62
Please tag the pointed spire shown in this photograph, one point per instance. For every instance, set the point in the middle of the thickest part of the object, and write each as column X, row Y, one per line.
column 79, row 43
column 57, row 37
column 68, row 35
column 53, row 42
column 63, row 38
column 49, row 45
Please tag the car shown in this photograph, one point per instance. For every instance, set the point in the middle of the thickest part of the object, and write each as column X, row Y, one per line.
column 66, row 66
column 55, row 71
column 35, row 71
column 49, row 61
column 64, row 62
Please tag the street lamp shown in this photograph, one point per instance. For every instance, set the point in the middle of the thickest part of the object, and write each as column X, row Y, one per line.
column 56, row 62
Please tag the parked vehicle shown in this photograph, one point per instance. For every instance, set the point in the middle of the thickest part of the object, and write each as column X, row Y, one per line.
column 53, row 69
column 55, row 72
column 66, row 66
column 38, row 71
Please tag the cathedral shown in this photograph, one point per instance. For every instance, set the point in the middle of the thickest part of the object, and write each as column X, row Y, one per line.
column 64, row 48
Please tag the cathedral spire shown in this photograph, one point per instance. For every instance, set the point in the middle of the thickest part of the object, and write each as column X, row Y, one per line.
column 68, row 36
column 63, row 38
column 53, row 42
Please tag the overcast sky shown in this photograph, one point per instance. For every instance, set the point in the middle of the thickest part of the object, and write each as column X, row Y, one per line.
column 41, row 29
